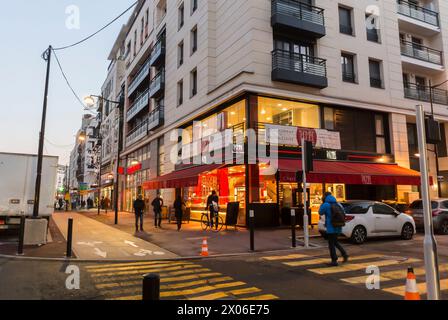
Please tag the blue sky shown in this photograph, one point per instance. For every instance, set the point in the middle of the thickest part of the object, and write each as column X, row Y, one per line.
column 27, row 27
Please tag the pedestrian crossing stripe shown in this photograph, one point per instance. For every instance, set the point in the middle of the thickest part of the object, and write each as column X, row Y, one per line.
column 288, row 257
column 311, row 262
column 400, row 290
column 137, row 267
column 360, row 266
column 141, row 263
column 262, row 297
column 145, row 270
column 393, row 275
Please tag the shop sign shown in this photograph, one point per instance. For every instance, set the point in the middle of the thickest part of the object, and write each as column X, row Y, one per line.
column 332, row 155
column 366, row 179
column 134, row 169
column 83, row 186
column 121, row 171
column 292, row 136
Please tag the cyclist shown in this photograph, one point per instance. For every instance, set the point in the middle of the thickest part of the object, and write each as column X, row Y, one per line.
column 213, row 208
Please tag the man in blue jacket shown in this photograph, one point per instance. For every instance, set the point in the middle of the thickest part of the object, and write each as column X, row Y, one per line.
column 332, row 232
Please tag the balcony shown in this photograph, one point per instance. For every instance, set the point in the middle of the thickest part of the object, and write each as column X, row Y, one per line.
column 156, row 118
column 421, row 56
column 138, row 79
column 414, row 17
column 137, row 134
column 373, row 35
column 298, row 17
column 422, row 93
column 157, row 85
column 140, row 103
column 157, row 53
column 299, row 69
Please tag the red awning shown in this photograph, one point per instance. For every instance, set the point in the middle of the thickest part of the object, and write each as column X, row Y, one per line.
column 350, row 173
column 180, row 179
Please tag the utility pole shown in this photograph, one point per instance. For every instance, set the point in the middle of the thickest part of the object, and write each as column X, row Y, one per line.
column 47, row 57
column 120, row 142
column 100, row 151
column 429, row 243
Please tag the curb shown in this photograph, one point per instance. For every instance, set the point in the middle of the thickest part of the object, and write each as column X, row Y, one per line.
column 225, row 255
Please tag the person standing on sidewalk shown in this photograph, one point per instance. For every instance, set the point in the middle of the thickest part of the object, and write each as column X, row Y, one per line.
column 139, row 207
column 213, row 208
column 178, row 207
column 331, row 209
column 157, row 205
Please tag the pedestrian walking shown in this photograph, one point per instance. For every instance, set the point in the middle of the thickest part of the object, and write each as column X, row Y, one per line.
column 61, row 204
column 89, row 203
column 334, row 220
column 179, row 205
column 157, row 205
column 106, row 204
column 139, row 207
column 102, row 202
column 213, row 208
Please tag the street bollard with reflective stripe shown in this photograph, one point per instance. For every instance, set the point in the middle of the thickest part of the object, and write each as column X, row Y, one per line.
column 21, row 236
column 293, row 228
column 69, row 238
column 151, row 287
column 252, row 231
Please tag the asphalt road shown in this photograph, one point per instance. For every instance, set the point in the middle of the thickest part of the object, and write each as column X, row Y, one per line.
column 292, row 275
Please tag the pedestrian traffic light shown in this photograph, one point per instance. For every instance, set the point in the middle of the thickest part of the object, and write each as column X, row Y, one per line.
column 308, row 156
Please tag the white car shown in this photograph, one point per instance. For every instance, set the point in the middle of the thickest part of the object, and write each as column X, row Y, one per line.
column 365, row 219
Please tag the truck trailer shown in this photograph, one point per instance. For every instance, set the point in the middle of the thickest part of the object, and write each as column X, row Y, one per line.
column 17, row 185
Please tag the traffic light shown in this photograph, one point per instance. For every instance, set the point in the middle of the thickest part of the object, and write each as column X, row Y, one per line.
column 308, row 156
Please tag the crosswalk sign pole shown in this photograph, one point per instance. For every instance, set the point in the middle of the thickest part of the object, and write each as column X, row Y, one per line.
column 429, row 243
column 305, row 198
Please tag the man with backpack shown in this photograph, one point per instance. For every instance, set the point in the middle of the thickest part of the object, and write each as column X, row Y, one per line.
column 334, row 221
column 157, row 204
column 213, row 208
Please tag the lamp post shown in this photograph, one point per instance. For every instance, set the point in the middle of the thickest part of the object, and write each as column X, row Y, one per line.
column 90, row 101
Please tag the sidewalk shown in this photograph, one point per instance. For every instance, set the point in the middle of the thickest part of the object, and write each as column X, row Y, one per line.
column 187, row 243
column 93, row 240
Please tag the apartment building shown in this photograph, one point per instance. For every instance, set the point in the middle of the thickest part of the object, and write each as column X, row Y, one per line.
column 346, row 73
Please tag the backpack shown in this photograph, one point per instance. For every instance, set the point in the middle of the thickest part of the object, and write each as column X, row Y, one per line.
column 337, row 215
column 215, row 207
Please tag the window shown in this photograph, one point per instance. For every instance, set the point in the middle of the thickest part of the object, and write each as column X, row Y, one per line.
column 181, row 15
column 375, row 74
column 357, row 207
column 418, row 204
column 442, row 147
column 142, row 31
column 180, row 93
column 194, row 6
column 180, row 54
column 194, row 39
column 135, row 43
column 147, row 24
column 406, row 80
column 345, row 20
column 194, row 82
column 372, row 28
column 383, row 209
column 328, row 118
column 348, row 67
column 161, row 158
column 380, row 134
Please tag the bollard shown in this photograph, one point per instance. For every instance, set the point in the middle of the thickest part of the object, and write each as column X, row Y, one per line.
column 69, row 238
column 293, row 228
column 306, row 231
column 21, row 236
column 151, row 287
column 252, row 231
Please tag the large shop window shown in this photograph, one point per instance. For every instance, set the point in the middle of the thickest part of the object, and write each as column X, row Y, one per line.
column 288, row 113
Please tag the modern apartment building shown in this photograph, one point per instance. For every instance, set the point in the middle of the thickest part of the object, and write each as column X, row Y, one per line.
column 347, row 73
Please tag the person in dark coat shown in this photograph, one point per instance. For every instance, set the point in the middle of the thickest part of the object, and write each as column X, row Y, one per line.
column 157, row 205
column 178, row 207
column 139, row 207
column 332, row 232
column 212, row 207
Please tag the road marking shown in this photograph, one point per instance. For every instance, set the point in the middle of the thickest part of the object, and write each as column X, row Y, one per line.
column 100, row 253
column 241, row 292
column 89, row 244
column 191, row 277
column 141, row 263
column 262, row 297
column 188, row 292
column 213, row 296
column 359, row 266
column 400, row 290
column 140, row 267
column 144, row 270
column 393, row 275
column 130, row 243
column 324, row 260
column 288, row 257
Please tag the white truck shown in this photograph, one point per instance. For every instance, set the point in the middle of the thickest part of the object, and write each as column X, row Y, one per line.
column 17, row 184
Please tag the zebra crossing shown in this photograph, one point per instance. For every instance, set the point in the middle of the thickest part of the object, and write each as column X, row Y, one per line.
column 180, row 280
column 393, row 270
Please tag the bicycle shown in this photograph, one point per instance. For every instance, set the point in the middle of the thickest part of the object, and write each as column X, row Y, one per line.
column 205, row 222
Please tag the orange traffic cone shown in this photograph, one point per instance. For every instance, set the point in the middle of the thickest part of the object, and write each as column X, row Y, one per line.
column 411, row 286
column 204, row 252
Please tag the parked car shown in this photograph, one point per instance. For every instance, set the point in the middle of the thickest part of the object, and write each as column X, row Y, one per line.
column 365, row 219
column 439, row 209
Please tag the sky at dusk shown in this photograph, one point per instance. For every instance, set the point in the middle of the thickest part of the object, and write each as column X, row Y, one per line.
column 27, row 28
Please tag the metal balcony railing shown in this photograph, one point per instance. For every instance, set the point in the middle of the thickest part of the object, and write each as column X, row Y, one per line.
column 417, row 51
column 299, row 10
column 157, row 51
column 419, row 13
column 140, row 103
column 137, row 133
column 423, row 93
column 348, row 76
column 376, row 82
column 141, row 75
column 155, row 118
column 157, row 83
column 299, row 63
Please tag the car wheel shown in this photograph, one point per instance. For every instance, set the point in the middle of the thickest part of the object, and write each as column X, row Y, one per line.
column 444, row 228
column 359, row 235
column 407, row 233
